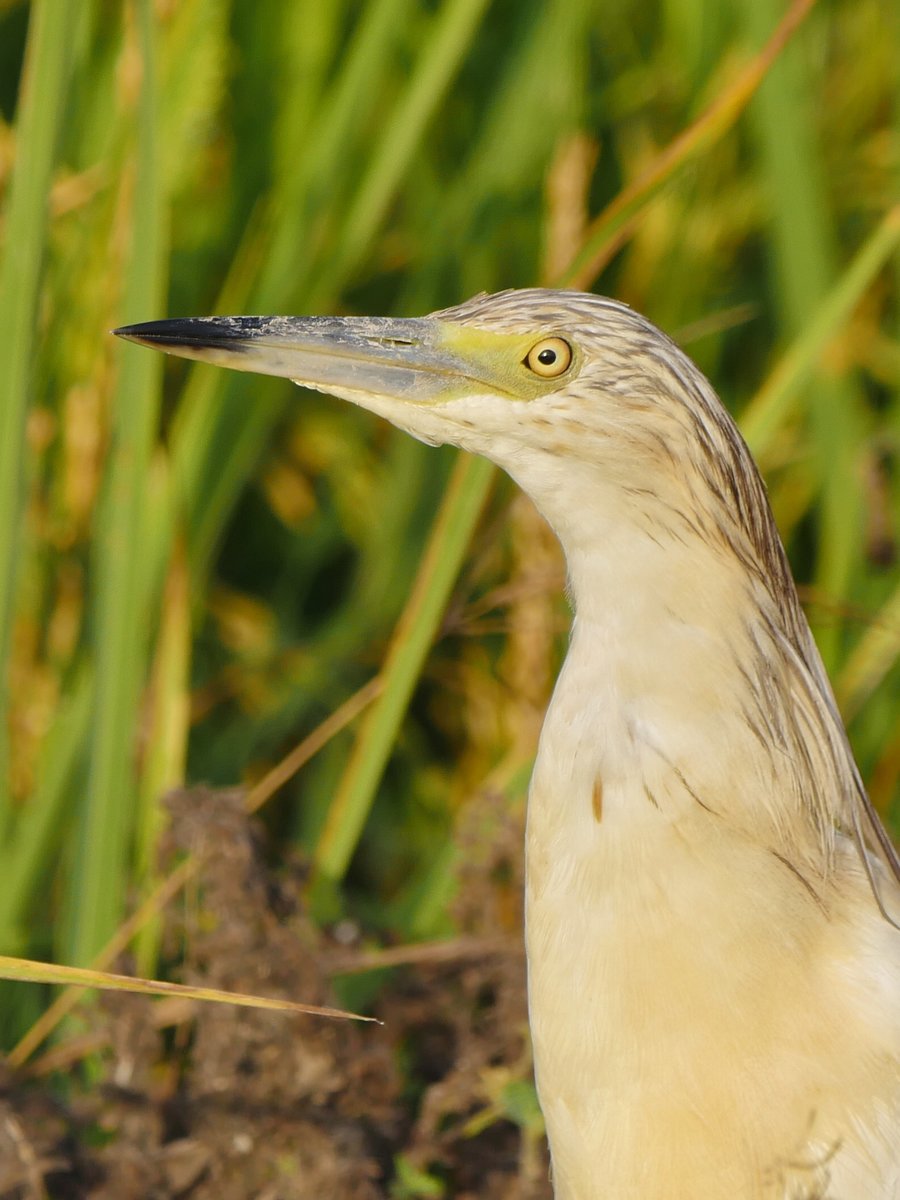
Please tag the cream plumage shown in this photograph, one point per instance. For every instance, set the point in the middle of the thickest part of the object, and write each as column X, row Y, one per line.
column 711, row 903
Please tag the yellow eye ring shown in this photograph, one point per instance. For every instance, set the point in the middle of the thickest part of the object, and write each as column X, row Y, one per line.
column 549, row 357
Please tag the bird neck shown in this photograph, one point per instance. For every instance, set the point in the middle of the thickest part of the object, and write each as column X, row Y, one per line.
column 689, row 685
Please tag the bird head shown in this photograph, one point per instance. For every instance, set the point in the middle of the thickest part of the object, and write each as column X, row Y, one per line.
column 535, row 368
column 582, row 400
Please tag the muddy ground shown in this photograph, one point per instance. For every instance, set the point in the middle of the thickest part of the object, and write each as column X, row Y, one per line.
column 213, row 1102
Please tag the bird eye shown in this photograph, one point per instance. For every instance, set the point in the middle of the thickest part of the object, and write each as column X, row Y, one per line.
column 549, row 357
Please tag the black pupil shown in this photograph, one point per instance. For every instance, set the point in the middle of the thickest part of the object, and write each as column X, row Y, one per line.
column 547, row 358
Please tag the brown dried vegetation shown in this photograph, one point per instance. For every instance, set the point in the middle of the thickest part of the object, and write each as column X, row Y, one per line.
column 230, row 1103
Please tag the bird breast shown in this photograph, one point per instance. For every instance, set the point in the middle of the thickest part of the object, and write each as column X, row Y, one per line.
column 704, row 1025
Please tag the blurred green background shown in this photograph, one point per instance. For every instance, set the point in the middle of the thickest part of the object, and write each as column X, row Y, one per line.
column 197, row 567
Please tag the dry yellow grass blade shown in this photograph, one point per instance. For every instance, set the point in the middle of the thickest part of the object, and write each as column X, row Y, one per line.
column 27, row 970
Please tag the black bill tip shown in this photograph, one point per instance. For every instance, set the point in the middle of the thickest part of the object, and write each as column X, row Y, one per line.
column 195, row 331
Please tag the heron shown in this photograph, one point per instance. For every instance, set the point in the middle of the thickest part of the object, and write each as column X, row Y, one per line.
column 711, row 901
